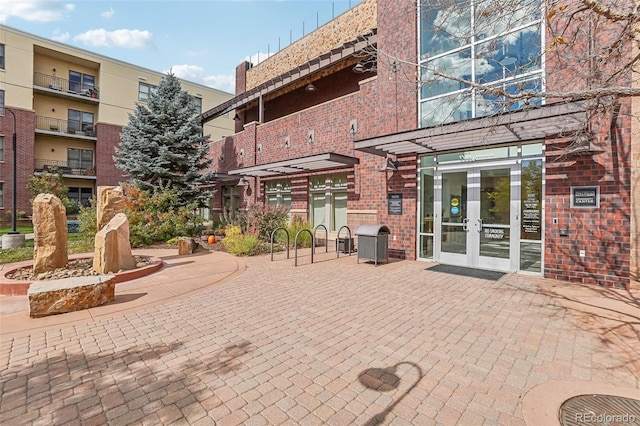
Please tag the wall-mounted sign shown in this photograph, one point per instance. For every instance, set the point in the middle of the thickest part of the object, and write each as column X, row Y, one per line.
column 585, row 196
column 394, row 203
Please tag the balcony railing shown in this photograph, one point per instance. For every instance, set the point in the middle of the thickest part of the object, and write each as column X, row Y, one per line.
column 65, row 167
column 61, row 85
column 71, row 127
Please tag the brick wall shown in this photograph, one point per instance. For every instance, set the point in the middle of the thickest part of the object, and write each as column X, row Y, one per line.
column 108, row 138
column 603, row 233
column 25, row 141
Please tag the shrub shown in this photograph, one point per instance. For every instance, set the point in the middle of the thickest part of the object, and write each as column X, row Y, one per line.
column 158, row 217
column 51, row 182
column 304, row 239
column 262, row 220
column 240, row 244
column 88, row 219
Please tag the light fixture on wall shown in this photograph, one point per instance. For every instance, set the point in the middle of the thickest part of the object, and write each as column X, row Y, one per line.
column 389, row 166
column 310, row 88
column 359, row 68
column 311, row 137
column 237, row 117
column 242, row 182
column 353, row 127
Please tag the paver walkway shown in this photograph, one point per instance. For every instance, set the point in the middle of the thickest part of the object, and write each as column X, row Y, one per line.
column 334, row 343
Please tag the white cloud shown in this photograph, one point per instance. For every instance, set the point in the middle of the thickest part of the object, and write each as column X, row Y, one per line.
column 58, row 35
column 134, row 39
column 34, row 10
column 196, row 74
column 108, row 13
column 196, row 53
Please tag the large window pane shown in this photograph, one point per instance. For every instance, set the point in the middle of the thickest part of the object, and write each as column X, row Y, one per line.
column 339, row 203
column 318, row 202
column 446, row 109
column 444, row 29
column 502, row 57
column 456, row 65
column 499, row 16
column 1, row 56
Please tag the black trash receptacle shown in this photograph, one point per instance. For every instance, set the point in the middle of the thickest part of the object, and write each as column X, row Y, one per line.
column 373, row 242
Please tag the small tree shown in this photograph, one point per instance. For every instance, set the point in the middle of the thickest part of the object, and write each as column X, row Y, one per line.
column 50, row 182
column 163, row 148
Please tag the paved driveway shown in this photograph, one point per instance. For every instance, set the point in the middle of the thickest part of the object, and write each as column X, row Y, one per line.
column 335, row 343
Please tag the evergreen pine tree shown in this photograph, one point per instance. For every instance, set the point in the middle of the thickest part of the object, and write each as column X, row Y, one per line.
column 163, row 148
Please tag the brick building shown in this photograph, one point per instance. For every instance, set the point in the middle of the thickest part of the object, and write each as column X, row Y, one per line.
column 337, row 127
column 70, row 105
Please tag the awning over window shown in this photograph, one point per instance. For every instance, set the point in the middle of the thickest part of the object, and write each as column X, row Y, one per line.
column 220, row 179
column 554, row 119
column 312, row 163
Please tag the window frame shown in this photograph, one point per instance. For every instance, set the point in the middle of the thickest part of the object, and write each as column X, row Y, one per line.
column 1, row 148
column 83, row 125
column 149, row 90
column 334, row 184
column 1, row 195
column 82, row 83
column 2, row 56
column 80, row 160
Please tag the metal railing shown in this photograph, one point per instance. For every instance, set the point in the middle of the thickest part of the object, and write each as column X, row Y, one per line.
column 62, row 85
column 65, row 167
column 73, row 127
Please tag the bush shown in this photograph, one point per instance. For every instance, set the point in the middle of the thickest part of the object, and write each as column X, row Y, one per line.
column 158, row 217
column 88, row 219
column 304, row 239
column 51, row 182
column 240, row 244
column 262, row 220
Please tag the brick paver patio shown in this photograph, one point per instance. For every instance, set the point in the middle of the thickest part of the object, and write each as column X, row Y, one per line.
column 335, row 343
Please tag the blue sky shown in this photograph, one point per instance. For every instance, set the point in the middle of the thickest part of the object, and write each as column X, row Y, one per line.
column 200, row 40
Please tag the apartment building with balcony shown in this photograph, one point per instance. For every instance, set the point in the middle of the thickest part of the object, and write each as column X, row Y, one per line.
column 70, row 105
column 352, row 125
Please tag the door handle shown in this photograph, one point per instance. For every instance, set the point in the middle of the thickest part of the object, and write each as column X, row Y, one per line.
column 465, row 224
column 481, row 224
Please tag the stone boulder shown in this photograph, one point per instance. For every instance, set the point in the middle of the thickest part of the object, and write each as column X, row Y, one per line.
column 112, row 247
column 110, row 201
column 50, row 234
column 70, row 294
column 187, row 245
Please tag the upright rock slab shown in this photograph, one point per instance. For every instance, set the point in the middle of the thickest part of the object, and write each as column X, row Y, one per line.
column 50, row 233
column 70, row 294
column 112, row 247
column 110, row 201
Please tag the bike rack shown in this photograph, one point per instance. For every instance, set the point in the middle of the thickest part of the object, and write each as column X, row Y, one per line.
column 295, row 243
column 349, row 241
column 326, row 238
column 273, row 234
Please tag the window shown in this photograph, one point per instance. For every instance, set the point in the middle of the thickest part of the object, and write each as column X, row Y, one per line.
column 1, row 56
column 198, row 104
column 328, row 201
column 1, row 102
column 1, row 148
column 501, row 49
column 80, row 158
column 145, row 91
column 1, row 195
column 80, row 196
column 278, row 192
column 230, row 202
column 80, row 122
column 81, row 83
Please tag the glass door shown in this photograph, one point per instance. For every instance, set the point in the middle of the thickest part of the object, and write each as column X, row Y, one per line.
column 478, row 208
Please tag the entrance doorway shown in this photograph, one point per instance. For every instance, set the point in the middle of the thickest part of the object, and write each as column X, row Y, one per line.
column 478, row 224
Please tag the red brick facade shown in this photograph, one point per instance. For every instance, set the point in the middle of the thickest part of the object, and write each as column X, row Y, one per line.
column 25, row 140
column 387, row 103
column 108, row 138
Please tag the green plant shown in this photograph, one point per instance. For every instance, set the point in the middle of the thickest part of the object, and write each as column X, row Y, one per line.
column 297, row 224
column 262, row 220
column 240, row 244
column 87, row 216
column 50, row 182
column 159, row 216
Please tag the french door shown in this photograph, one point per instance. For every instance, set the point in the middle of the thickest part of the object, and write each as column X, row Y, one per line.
column 478, row 223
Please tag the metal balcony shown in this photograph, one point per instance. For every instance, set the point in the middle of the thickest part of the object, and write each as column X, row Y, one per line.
column 67, row 168
column 70, row 128
column 61, row 87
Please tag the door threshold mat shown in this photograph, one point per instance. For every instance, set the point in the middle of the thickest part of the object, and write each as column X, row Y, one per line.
column 467, row 272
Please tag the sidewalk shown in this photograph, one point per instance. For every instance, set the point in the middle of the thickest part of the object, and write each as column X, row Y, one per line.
column 213, row 338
